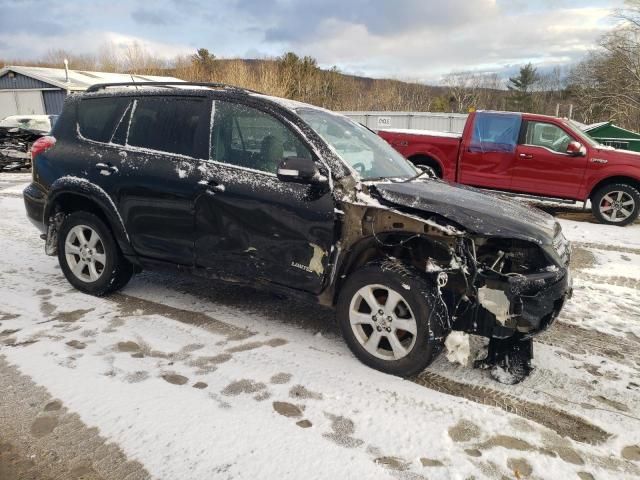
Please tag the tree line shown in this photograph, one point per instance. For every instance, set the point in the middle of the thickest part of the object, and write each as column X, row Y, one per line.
column 605, row 85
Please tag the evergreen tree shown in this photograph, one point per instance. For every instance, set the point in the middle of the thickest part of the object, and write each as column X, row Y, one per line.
column 522, row 88
column 204, row 61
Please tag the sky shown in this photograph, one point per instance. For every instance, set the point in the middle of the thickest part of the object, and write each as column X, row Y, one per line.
column 418, row 40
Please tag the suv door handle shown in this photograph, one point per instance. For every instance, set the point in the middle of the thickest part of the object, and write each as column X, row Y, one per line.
column 106, row 168
column 211, row 187
column 526, row 155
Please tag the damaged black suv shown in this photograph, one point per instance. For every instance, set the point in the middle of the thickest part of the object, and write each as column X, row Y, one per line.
column 235, row 185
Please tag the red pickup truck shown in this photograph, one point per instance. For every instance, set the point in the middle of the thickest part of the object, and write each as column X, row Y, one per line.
column 530, row 154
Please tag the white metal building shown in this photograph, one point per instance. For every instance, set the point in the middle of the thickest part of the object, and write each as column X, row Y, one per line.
column 439, row 122
column 38, row 90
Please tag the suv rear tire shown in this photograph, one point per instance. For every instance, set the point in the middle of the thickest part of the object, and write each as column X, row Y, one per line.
column 393, row 338
column 616, row 204
column 89, row 256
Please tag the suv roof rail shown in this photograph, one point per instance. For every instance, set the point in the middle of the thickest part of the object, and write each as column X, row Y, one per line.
column 103, row 86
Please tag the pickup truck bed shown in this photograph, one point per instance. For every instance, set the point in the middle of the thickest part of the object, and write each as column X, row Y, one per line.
column 424, row 146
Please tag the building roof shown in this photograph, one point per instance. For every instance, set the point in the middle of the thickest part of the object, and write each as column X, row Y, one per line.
column 604, row 131
column 593, row 126
column 78, row 79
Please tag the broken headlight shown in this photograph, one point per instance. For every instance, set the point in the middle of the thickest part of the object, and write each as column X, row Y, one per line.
column 511, row 256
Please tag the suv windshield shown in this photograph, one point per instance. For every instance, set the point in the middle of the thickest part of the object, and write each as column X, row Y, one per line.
column 363, row 150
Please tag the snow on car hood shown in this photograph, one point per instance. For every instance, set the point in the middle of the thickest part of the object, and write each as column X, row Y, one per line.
column 480, row 212
column 616, row 155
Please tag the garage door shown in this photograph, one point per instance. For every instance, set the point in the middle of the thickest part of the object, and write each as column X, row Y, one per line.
column 21, row 103
column 30, row 103
column 8, row 105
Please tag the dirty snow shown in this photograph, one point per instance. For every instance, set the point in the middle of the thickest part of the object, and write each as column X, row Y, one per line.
column 278, row 395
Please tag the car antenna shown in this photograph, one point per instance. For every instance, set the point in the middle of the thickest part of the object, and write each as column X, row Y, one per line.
column 133, row 80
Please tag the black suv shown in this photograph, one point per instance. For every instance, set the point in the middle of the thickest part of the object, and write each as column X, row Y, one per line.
column 235, row 185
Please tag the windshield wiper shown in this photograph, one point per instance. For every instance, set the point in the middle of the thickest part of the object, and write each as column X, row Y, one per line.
column 415, row 177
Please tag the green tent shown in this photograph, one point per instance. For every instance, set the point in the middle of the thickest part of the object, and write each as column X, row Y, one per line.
column 617, row 137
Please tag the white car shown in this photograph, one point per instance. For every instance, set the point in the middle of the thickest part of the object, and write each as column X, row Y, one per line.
column 36, row 123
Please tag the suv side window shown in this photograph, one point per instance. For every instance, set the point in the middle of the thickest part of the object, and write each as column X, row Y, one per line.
column 98, row 117
column 250, row 138
column 171, row 124
column 542, row 134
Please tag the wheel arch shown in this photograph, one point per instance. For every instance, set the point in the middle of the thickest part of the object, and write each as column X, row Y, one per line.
column 370, row 249
column 634, row 182
column 69, row 194
column 429, row 160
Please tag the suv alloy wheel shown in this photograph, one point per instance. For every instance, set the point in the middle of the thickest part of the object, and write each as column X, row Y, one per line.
column 390, row 317
column 89, row 256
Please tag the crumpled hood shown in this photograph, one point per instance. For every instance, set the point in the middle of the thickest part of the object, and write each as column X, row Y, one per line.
column 477, row 211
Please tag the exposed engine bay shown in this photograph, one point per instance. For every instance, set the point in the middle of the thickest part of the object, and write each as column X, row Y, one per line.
column 502, row 288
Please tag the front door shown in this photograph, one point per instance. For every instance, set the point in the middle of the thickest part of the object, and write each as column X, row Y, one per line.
column 249, row 224
column 542, row 165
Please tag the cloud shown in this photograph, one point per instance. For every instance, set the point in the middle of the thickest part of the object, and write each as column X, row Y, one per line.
column 293, row 21
column 19, row 16
column 31, row 45
column 410, row 39
column 493, row 41
column 150, row 17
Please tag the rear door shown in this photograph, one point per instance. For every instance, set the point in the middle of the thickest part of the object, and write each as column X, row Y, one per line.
column 144, row 152
column 488, row 151
column 249, row 224
column 542, row 166
column 157, row 183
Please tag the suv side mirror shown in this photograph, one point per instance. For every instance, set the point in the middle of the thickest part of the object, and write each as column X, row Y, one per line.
column 576, row 149
column 299, row 170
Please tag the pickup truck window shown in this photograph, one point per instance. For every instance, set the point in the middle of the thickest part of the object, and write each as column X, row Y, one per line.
column 547, row 135
column 495, row 132
column 360, row 148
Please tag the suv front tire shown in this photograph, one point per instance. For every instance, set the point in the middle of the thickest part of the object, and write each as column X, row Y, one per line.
column 387, row 313
column 89, row 256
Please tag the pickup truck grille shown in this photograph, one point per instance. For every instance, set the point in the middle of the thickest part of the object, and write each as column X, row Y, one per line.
column 562, row 247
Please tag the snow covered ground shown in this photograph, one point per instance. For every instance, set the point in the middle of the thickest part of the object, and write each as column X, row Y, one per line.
column 198, row 380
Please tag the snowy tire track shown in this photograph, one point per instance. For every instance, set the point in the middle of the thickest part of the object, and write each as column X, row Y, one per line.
column 582, row 341
column 562, row 423
column 616, row 280
column 610, row 248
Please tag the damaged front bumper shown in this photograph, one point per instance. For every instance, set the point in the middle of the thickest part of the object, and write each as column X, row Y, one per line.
column 516, row 305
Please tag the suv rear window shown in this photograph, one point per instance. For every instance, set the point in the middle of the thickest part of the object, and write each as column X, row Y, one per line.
column 171, row 124
column 98, row 117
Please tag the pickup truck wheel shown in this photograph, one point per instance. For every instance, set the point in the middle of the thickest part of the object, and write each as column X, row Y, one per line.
column 89, row 256
column 384, row 311
column 616, row 204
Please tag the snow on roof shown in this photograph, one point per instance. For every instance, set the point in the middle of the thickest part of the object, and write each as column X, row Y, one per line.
column 593, row 126
column 79, row 79
column 291, row 104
